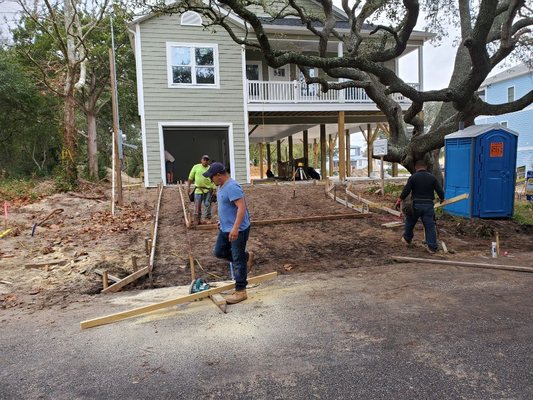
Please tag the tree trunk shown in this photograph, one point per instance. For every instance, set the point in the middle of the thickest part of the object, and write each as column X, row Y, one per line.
column 69, row 131
column 92, row 149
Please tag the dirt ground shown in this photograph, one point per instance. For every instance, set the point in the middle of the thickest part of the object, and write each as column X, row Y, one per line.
column 57, row 265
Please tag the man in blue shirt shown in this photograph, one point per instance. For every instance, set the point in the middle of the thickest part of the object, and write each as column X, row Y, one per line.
column 234, row 228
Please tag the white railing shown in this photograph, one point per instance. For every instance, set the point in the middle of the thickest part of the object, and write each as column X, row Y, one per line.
column 301, row 92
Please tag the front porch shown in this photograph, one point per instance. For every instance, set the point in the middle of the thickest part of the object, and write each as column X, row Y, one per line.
column 274, row 93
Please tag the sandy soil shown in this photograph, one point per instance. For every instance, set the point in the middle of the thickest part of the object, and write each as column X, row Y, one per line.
column 57, row 265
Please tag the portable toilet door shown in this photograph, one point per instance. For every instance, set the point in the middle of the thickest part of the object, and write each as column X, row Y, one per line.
column 496, row 155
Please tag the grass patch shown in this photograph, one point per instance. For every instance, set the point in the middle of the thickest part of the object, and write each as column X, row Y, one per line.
column 393, row 189
column 523, row 212
column 25, row 190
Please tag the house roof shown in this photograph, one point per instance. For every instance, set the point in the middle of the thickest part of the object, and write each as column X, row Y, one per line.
column 513, row 72
column 477, row 130
column 296, row 23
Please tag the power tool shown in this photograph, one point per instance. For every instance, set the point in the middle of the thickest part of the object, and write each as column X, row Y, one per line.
column 198, row 285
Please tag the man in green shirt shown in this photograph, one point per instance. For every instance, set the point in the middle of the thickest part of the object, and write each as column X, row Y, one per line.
column 203, row 190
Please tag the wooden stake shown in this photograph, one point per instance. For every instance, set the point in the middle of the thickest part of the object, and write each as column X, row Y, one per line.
column 497, row 244
column 105, row 281
column 219, row 301
column 168, row 303
column 134, row 263
column 382, row 178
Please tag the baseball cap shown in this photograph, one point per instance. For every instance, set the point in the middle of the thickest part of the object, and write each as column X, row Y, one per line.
column 215, row 168
column 205, row 157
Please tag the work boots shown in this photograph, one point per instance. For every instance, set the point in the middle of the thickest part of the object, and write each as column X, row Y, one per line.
column 236, row 297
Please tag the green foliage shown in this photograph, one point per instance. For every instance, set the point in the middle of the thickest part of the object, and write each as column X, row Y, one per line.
column 29, row 129
column 32, row 189
column 393, row 189
column 523, row 212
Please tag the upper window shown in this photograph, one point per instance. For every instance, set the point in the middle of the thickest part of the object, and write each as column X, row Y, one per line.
column 510, row 94
column 191, row 18
column 192, row 64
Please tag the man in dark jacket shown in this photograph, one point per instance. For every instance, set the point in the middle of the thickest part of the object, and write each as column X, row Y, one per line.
column 422, row 185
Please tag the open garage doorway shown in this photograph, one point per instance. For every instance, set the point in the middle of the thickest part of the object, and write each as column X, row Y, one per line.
column 188, row 143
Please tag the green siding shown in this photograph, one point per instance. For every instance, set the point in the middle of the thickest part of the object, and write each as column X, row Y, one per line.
column 164, row 104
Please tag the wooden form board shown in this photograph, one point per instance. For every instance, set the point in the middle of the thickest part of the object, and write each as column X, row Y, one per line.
column 290, row 220
column 371, row 204
column 108, row 319
column 146, row 270
column 463, row 264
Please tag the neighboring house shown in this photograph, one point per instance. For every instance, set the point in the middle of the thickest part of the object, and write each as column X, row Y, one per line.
column 357, row 160
column 201, row 93
column 507, row 86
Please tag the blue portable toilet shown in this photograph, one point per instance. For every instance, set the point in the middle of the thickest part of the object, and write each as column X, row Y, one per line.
column 480, row 160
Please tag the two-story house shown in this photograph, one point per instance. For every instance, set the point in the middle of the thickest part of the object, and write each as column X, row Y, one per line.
column 201, row 93
column 504, row 87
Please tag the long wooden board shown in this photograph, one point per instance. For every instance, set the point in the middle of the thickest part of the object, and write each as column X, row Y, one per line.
column 371, row 204
column 291, row 220
column 452, row 200
column 463, row 264
column 108, row 319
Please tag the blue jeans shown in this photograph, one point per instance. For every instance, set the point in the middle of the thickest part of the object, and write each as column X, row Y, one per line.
column 426, row 212
column 234, row 252
column 205, row 199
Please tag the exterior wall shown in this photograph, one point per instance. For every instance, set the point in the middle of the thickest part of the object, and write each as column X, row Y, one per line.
column 496, row 93
column 178, row 105
column 520, row 121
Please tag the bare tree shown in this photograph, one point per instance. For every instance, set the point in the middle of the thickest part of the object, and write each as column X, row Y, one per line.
column 491, row 31
column 66, row 73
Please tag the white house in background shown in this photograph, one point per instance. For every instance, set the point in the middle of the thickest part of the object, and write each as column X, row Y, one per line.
column 200, row 93
column 506, row 86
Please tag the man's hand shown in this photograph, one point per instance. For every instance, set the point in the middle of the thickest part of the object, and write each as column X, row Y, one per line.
column 398, row 204
column 234, row 234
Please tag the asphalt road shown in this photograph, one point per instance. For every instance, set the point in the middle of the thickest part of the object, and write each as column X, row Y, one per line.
column 392, row 332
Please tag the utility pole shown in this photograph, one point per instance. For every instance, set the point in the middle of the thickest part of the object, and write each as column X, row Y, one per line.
column 117, row 142
column 116, row 132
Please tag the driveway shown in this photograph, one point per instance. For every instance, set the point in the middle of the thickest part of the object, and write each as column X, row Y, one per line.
column 405, row 331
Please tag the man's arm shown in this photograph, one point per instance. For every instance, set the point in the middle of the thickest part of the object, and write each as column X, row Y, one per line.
column 241, row 212
column 191, row 178
column 438, row 189
column 407, row 188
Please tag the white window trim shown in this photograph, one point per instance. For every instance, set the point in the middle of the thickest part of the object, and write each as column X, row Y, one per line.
column 514, row 93
column 197, row 20
column 173, row 85
column 259, row 65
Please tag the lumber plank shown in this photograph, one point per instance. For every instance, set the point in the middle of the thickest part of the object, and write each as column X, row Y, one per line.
column 123, row 282
column 108, row 319
column 452, row 200
column 371, row 204
column 463, row 264
column 393, row 224
column 219, row 301
column 291, row 220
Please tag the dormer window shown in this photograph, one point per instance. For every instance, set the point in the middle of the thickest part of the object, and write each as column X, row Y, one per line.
column 191, row 18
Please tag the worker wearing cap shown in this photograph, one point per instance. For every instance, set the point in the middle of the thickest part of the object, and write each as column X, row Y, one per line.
column 203, row 190
column 234, row 229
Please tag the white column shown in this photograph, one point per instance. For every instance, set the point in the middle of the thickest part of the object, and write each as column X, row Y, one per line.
column 421, row 68
column 340, row 51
